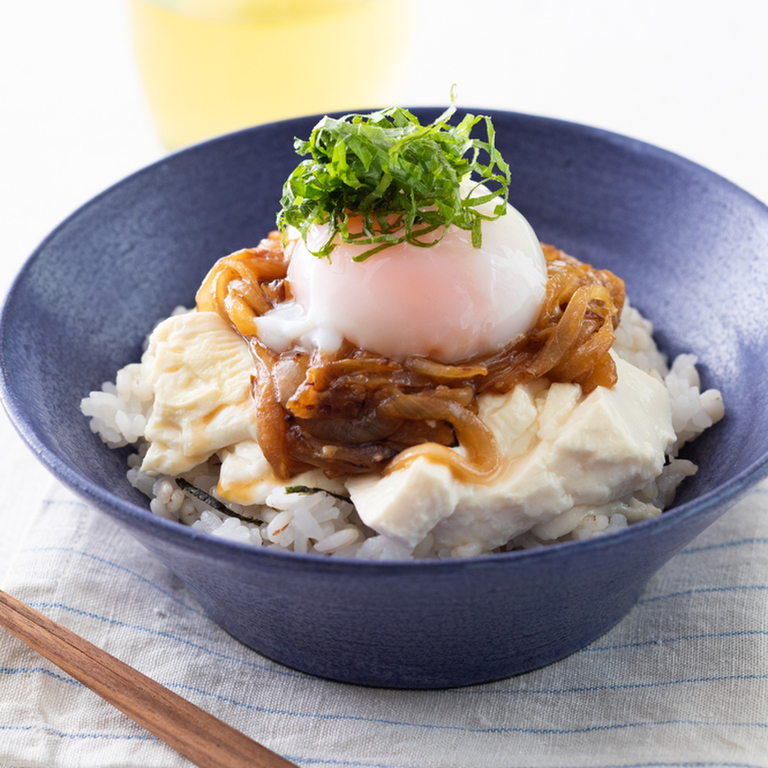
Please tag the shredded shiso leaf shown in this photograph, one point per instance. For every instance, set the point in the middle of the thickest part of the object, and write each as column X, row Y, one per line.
column 393, row 180
column 206, row 498
column 305, row 489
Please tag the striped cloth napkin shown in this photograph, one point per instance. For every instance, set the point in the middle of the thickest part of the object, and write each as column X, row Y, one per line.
column 681, row 681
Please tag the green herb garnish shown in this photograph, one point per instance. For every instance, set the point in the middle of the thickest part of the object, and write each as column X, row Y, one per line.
column 211, row 501
column 383, row 179
column 305, row 489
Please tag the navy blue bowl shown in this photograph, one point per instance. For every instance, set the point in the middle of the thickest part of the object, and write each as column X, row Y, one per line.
column 692, row 249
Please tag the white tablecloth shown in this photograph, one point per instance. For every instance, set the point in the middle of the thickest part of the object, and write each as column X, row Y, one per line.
column 682, row 681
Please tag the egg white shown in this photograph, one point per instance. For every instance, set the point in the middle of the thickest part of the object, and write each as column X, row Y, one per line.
column 447, row 302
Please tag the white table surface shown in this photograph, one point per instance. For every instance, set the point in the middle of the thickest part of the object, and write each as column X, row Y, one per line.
column 689, row 76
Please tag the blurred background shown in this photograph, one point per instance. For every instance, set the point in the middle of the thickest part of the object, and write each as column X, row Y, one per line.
column 92, row 90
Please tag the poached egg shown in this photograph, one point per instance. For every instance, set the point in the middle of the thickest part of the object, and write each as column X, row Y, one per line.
column 447, row 302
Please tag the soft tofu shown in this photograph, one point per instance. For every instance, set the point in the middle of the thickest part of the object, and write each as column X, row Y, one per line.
column 247, row 478
column 406, row 505
column 200, row 371
column 562, row 454
column 201, row 375
column 409, row 503
column 560, row 450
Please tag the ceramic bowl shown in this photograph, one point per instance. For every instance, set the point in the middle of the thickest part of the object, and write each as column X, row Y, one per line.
column 692, row 249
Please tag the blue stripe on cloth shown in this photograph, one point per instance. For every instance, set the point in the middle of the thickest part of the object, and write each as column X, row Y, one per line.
column 606, row 687
column 169, row 636
column 704, row 591
column 677, row 639
column 686, row 764
column 721, row 545
column 69, row 502
column 37, row 671
column 112, row 564
column 64, row 735
column 351, row 763
column 613, row 727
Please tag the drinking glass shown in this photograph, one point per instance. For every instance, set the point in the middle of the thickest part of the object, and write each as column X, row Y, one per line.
column 212, row 66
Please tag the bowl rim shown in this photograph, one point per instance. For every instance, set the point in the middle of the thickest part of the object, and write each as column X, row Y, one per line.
column 188, row 538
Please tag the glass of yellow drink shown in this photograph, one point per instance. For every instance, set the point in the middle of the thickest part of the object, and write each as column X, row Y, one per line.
column 213, row 66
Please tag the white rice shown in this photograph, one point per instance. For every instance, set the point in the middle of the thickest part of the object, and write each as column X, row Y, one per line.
column 322, row 523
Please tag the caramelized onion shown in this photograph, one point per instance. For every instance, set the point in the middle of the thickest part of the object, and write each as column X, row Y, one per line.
column 354, row 411
column 482, row 457
column 442, row 372
column 273, row 436
column 232, row 288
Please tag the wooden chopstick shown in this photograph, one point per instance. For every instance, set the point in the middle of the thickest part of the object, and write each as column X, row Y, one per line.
column 205, row 740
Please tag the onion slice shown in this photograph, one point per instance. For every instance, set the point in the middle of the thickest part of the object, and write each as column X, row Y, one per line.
column 355, row 411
